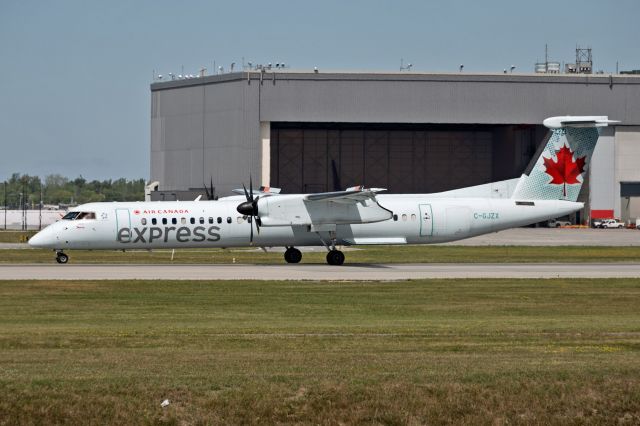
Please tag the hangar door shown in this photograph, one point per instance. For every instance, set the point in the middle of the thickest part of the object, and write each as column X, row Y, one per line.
column 630, row 201
column 403, row 161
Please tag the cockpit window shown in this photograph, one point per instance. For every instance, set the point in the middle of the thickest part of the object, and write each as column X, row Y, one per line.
column 86, row 215
column 79, row 215
column 70, row 215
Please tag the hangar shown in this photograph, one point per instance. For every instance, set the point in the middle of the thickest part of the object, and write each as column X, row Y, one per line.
column 408, row 132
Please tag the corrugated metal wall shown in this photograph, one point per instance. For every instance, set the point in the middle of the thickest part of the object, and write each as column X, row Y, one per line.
column 403, row 161
column 210, row 127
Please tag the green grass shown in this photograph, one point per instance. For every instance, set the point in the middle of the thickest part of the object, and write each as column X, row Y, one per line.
column 370, row 254
column 415, row 352
column 15, row 236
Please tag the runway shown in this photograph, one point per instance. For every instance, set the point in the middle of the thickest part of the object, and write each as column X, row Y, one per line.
column 319, row 272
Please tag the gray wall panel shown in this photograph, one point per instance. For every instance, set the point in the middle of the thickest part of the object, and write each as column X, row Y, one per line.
column 437, row 102
column 211, row 126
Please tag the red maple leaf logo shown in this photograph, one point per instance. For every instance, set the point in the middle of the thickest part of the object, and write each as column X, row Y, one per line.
column 565, row 170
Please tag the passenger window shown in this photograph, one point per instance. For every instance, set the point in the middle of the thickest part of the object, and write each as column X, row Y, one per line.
column 174, row 220
column 404, row 217
column 183, row 221
column 210, row 220
column 201, row 220
column 219, row 220
column 164, row 220
column 395, row 217
column 229, row 219
column 413, row 217
column 143, row 221
column 154, row 221
column 240, row 219
column 192, row 220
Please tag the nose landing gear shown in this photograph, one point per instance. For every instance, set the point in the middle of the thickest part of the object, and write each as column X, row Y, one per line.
column 61, row 257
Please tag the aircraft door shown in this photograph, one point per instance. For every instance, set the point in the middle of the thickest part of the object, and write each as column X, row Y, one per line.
column 123, row 220
column 426, row 220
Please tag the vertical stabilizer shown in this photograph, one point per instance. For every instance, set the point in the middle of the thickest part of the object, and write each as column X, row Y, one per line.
column 558, row 171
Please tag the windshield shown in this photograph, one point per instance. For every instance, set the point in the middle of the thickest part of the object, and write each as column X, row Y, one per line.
column 70, row 215
column 79, row 216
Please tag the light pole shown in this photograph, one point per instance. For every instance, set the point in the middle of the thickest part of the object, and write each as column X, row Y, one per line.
column 5, row 205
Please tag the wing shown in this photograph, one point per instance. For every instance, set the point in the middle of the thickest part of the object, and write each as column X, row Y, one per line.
column 351, row 195
column 355, row 205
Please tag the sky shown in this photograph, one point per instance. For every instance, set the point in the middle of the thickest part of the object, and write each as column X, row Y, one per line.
column 75, row 74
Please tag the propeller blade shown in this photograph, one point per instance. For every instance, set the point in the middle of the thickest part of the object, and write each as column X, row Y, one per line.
column 246, row 194
column 251, row 187
column 251, row 227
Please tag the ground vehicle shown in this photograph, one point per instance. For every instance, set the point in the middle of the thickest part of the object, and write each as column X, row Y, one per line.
column 609, row 224
column 557, row 223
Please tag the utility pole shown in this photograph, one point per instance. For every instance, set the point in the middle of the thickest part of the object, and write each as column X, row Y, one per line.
column 21, row 214
column 4, row 203
column 40, row 220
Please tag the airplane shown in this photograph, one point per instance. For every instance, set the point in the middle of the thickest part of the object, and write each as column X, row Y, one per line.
column 547, row 189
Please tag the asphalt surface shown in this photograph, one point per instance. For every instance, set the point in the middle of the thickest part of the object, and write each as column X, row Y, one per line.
column 318, row 272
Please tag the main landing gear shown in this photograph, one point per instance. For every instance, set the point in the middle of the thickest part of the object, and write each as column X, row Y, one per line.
column 335, row 257
column 61, row 257
column 292, row 255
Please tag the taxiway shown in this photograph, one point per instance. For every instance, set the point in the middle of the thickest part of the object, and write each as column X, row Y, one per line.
column 318, row 272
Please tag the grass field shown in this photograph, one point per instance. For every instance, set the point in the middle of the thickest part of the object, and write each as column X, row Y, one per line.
column 370, row 254
column 415, row 352
column 15, row 236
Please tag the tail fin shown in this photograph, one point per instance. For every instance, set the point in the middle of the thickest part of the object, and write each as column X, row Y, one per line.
column 558, row 169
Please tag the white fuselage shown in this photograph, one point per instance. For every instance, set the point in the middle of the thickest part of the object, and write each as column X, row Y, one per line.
column 417, row 219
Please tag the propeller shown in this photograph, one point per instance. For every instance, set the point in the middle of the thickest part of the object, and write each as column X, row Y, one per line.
column 337, row 186
column 210, row 191
column 250, row 208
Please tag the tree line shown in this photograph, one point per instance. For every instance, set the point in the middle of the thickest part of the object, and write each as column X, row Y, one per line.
column 25, row 191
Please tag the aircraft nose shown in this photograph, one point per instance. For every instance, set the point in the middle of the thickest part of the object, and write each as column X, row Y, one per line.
column 43, row 239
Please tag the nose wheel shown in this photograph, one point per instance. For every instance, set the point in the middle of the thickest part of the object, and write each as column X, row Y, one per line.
column 292, row 255
column 61, row 257
column 335, row 257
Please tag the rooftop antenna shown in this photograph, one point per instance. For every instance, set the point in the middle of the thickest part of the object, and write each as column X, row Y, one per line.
column 546, row 55
column 405, row 68
column 461, row 67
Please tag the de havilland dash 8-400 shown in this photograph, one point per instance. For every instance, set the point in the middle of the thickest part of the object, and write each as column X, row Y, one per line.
column 547, row 189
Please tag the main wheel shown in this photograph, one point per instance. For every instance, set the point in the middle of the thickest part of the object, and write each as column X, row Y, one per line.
column 335, row 257
column 62, row 258
column 292, row 255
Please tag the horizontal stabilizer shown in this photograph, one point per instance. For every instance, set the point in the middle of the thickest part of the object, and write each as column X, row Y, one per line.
column 578, row 121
